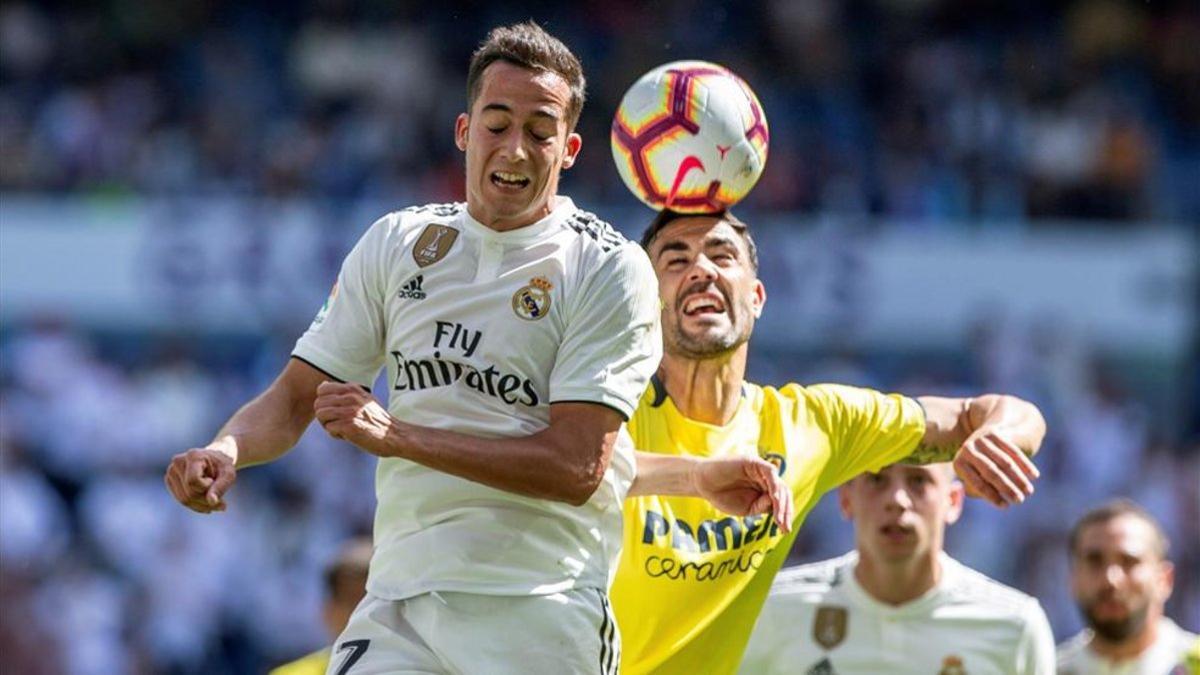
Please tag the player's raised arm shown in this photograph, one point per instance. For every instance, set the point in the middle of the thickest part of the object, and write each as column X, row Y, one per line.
column 990, row 438
column 262, row 430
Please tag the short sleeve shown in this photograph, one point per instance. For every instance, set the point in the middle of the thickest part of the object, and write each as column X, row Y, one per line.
column 867, row 429
column 612, row 342
column 346, row 339
column 1035, row 654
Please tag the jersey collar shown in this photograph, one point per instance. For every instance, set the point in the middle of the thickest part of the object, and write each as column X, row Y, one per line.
column 916, row 606
column 563, row 207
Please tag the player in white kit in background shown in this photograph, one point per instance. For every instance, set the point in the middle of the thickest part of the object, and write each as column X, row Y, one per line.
column 898, row 604
column 518, row 333
column 1121, row 579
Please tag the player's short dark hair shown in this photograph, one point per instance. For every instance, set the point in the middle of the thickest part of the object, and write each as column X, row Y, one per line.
column 529, row 46
column 667, row 216
column 1116, row 509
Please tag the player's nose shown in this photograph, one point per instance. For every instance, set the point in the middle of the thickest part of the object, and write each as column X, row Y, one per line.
column 897, row 499
column 512, row 146
column 702, row 268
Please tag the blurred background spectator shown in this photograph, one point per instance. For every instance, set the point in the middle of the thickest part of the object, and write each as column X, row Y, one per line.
column 225, row 155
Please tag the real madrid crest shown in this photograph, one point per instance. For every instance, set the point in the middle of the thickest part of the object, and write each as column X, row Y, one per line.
column 532, row 302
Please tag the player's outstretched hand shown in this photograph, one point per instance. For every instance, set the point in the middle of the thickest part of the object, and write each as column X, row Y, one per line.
column 199, row 478
column 348, row 412
column 995, row 469
column 744, row 486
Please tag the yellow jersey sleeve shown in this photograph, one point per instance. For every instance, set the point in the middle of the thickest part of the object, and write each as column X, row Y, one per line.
column 866, row 430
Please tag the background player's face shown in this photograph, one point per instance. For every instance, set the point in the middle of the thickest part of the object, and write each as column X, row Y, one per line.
column 710, row 293
column 517, row 139
column 1118, row 578
column 901, row 512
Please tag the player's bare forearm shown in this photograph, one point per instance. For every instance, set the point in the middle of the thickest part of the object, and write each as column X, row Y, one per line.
column 544, row 465
column 271, row 424
column 990, row 439
column 659, row 474
column 260, row 431
column 950, row 422
column 565, row 462
column 740, row 486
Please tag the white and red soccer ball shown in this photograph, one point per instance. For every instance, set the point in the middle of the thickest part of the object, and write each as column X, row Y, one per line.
column 690, row 136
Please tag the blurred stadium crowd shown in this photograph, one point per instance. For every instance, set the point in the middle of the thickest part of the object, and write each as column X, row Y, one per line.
column 935, row 112
column 988, row 110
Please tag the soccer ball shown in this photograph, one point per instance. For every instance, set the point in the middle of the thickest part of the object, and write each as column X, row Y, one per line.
column 690, row 136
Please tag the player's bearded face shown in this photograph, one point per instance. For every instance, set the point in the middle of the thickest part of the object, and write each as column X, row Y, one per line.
column 517, row 140
column 1118, row 581
column 709, row 291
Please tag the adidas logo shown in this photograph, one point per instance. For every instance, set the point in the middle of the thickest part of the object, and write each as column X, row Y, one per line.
column 412, row 289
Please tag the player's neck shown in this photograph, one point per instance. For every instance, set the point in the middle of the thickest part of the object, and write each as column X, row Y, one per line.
column 899, row 582
column 705, row 390
column 1131, row 648
column 485, row 217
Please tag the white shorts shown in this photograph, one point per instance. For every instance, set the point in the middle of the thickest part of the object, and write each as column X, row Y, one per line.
column 470, row 634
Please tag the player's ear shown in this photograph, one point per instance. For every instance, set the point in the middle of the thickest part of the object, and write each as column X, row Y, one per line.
column 844, row 500
column 461, row 125
column 957, row 495
column 758, row 299
column 1166, row 582
column 574, row 143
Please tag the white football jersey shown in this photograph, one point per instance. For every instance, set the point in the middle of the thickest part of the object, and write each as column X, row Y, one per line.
column 1165, row 657
column 480, row 331
column 819, row 620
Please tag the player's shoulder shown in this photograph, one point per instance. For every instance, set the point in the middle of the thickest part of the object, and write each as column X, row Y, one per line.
column 815, row 579
column 1070, row 654
column 424, row 214
column 967, row 586
column 593, row 233
column 814, row 399
column 1180, row 639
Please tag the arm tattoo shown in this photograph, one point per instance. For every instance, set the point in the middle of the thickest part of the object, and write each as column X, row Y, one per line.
column 929, row 453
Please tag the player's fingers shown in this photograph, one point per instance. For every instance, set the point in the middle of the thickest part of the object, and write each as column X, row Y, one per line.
column 981, row 459
column 336, row 389
column 761, row 504
column 970, row 475
column 335, row 428
column 338, row 399
column 195, row 474
column 1024, row 462
column 328, row 387
column 1008, row 466
column 216, row 492
column 174, row 486
column 783, row 507
column 334, row 413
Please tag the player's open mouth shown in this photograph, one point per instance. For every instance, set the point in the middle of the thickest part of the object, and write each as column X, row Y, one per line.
column 509, row 180
column 896, row 532
column 704, row 303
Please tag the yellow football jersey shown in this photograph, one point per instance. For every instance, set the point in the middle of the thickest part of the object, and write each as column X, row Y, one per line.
column 314, row 664
column 691, row 580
